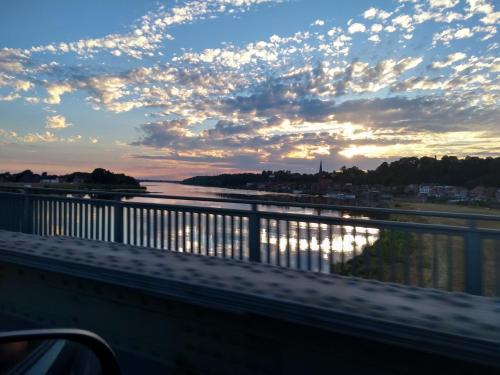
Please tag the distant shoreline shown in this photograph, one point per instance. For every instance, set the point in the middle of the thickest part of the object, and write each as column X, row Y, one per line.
column 161, row 181
column 68, row 186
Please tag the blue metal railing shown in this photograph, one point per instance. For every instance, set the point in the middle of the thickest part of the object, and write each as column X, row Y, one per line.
column 461, row 258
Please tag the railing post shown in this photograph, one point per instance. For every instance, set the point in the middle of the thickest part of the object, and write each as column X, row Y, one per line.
column 473, row 260
column 27, row 222
column 254, row 235
column 118, row 221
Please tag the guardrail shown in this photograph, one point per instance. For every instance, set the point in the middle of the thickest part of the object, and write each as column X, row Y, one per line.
column 462, row 258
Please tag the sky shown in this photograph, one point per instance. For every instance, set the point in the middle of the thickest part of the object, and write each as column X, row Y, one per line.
column 173, row 89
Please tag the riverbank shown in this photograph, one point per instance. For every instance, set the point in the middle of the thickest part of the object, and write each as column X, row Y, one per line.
column 443, row 207
column 301, row 198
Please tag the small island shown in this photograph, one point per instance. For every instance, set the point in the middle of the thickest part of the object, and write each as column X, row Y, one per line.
column 99, row 178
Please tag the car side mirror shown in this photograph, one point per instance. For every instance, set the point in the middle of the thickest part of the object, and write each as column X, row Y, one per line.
column 55, row 351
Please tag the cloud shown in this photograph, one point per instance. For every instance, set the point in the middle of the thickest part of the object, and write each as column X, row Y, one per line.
column 164, row 134
column 429, row 143
column 135, row 44
column 479, row 6
column 236, row 58
column 404, row 21
column 12, row 60
column 107, row 89
column 208, row 89
column 389, row 127
column 12, row 67
column 475, row 88
column 146, row 37
column 56, row 90
column 425, row 112
column 443, row 3
column 463, row 33
column 318, row 23
column 12, row 137
column 373, row 13
column 10, row 97
column 315, row 92
column 56, row 122
column 16, row 85
column 21, row 85
column 491, row 18
column 450, row 60
column 447, row 35
column 297, row 116
column 356, row 28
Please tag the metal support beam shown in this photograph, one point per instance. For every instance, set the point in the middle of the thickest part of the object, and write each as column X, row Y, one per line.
column 118, row 222
column 473, row 260
column 27, row 223
column 254, row 235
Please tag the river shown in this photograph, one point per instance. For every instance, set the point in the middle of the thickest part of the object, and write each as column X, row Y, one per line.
column 333, row 243
column 167, row 188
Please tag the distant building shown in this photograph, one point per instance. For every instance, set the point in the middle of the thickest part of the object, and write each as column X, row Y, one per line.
column 481, row 193
column 78, row 180
column 411, row 189
column 477, row 193
column 455, row 193
column 424, row 190
column 50, row 180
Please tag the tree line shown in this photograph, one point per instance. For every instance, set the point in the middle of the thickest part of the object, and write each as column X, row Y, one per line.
column 449, row 170
column 98, row 176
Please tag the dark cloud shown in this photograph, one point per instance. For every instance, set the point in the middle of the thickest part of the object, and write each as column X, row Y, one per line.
column 420, row 113
column 280, row 101
column 246, row 144
column 164, row 134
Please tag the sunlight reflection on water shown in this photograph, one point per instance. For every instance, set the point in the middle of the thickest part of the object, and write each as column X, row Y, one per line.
column 296, row 244
column 307, row 237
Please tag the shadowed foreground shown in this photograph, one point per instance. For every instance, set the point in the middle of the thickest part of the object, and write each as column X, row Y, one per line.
column 193, row 313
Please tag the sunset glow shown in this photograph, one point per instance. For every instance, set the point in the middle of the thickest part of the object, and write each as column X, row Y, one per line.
column 175, row 89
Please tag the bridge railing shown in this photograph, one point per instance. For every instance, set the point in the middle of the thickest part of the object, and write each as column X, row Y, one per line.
column 335, row 239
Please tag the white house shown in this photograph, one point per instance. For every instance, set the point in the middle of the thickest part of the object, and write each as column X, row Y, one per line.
column 424, row 189
column 50, row 180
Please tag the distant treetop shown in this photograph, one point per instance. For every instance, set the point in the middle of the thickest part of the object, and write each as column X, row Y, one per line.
column 449, row 170
column 98, row 176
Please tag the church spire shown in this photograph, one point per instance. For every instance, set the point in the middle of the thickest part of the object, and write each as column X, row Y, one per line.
column 320, row 166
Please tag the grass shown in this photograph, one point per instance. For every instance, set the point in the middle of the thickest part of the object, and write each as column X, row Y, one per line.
column 442, row 207
column 453, row 274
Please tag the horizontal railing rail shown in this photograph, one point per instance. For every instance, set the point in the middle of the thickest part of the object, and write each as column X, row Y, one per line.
column 454, row 257
column 270, row 214
column 314, row 206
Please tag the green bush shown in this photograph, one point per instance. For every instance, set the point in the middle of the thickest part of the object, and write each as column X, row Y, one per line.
column 392, row 247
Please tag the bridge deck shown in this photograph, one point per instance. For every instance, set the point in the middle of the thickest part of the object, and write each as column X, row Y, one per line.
column 453, row 324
